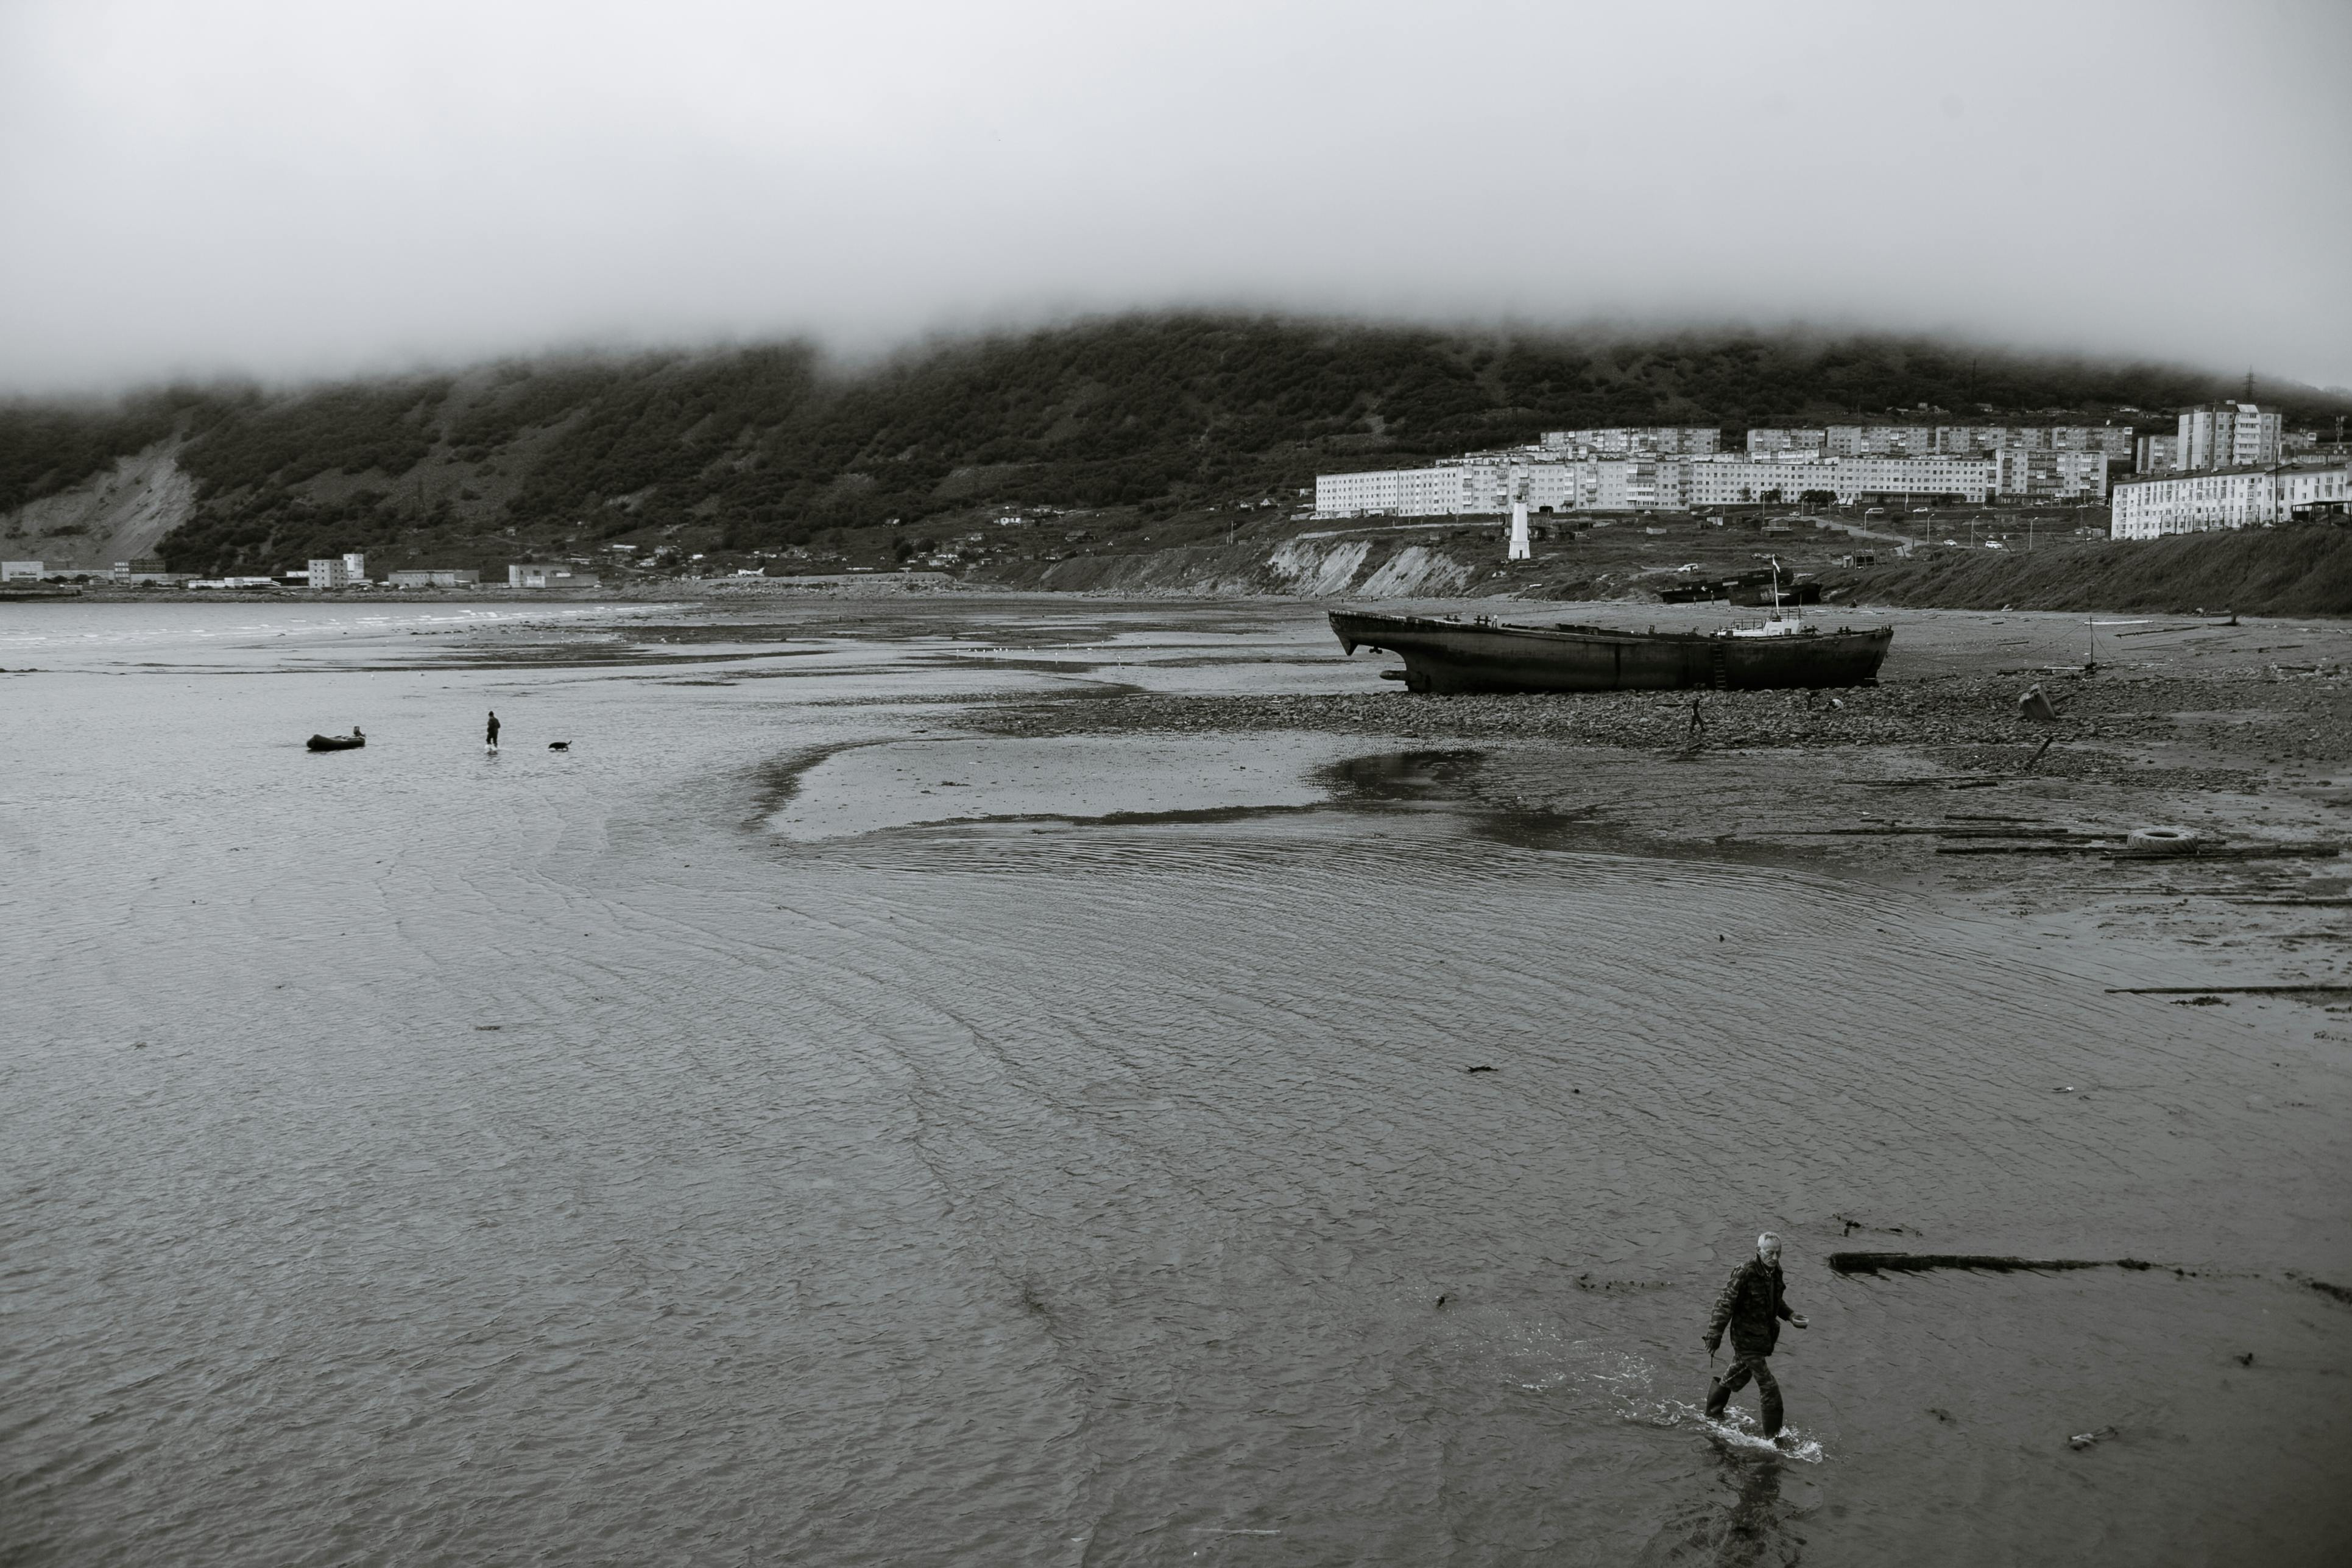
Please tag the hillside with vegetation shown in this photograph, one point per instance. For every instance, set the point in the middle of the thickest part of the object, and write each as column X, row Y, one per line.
column 1124, row 429
column 2290, row 570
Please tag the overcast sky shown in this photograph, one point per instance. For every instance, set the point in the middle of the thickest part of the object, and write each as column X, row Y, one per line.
column 300, row 187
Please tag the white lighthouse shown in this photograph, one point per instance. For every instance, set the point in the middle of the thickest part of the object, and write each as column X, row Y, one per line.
column 1520, row 551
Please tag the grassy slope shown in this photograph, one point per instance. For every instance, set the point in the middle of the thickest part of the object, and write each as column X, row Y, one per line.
column 2296, row 571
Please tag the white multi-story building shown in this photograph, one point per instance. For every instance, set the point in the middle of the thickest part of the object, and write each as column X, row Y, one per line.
column 2227, row 435
column 2227, row 497
column 343, row 573
column 1440, row 492
column 1488, row 484
column 2156, row 454
column 2052, row 473
column 1793, row 479
column 1954, row 440
column 1637, row 440
column 1880, row 440
column 2115, row 440
column 1972, row 480
column 13, row 571
column 551, row 574
column 1766, row 443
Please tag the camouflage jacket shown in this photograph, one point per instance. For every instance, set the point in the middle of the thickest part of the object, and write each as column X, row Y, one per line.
column 1752, row 1304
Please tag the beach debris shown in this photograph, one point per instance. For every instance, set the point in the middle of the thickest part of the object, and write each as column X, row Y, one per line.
column 2311, row 849
column 1585, row 1281
column 2207, row 1000
column 2034, row 703
column 1853, row 1225
column 559, row 745
column 2227, row 990
column 2157, row 841
column 1921, row 1262
column 2337, row 1291
column 2297, row 903
column 1442, row 1299
column 2081, row 1440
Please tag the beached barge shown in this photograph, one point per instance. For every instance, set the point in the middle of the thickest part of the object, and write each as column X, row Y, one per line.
column 1449, row 654
column 1758, row 590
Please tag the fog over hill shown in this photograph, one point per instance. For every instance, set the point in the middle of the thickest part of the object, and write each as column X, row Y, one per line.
column 1135, row 416
column 280, row 190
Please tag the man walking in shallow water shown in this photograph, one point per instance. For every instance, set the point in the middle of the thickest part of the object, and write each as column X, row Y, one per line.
column 1752, row 1304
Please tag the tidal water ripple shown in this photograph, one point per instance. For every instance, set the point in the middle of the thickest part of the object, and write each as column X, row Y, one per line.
column 416, row 1155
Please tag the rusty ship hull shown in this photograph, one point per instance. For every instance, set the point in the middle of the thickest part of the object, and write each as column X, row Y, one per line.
column 1447, row 655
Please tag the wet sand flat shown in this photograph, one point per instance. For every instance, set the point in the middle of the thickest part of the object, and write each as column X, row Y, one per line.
column 567, row 1154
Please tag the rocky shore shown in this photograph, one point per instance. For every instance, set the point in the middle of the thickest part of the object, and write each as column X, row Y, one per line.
column 2200, row 723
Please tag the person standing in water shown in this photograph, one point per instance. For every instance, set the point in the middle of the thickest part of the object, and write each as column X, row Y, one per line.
column 1752, row 1305
column 492, row 737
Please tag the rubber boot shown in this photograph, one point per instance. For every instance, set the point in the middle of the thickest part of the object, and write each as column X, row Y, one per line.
column 1718, row 1399
column 1771, row 1411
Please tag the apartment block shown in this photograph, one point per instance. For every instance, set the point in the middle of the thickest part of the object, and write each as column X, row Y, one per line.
column 2115, row 440
column 1880, row 440
column 1636, row 440
column 1768, row 443
column 1445, row 490
column 2047, row 473
column 2227, row 435
column 2150, row 507
column 1793, row 479
column 551, row 574
column 1546, row 483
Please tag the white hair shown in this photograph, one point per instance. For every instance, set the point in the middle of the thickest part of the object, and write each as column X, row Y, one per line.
column 1770, row 1238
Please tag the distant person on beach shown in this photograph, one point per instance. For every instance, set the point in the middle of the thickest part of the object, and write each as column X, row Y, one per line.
column 1752, row 1305
column 493, row 736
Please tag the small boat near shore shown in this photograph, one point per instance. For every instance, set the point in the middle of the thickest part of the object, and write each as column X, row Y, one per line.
column 352, row 741
column 1449, row 654
column 1757, row 590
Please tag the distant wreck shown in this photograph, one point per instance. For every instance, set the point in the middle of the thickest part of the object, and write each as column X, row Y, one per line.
column 1451, row 654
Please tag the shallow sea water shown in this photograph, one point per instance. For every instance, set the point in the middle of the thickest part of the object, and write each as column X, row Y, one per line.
column 415, row 1155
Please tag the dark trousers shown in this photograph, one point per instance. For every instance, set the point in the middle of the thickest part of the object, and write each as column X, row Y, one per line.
column 1767, row 1390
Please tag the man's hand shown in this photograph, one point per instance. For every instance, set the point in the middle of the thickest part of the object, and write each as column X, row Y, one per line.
column 1712, row 1346
column 1797, row 1320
